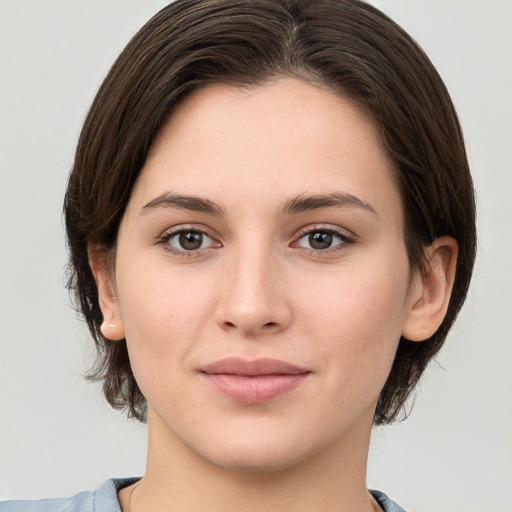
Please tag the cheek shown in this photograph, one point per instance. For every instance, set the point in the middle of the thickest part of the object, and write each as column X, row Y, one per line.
column 358, row 343
column 365, row 300
column 162, row 313
column 161, row 323
column 357, row 319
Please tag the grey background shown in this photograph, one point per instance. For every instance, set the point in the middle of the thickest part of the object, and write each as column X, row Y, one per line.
column 58, row 437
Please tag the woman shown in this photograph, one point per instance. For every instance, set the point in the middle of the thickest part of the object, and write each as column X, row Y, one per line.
column 271, row 229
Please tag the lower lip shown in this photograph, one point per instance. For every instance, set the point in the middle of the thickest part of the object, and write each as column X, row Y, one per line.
column 257, row 389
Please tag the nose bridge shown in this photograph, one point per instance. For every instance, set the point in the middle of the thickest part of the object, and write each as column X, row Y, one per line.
column 253, row 298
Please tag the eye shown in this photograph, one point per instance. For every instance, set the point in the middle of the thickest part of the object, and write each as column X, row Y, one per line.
column 322, row 240
column 187, row 240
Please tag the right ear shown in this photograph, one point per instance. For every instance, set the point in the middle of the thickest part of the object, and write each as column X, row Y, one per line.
column 112, row 326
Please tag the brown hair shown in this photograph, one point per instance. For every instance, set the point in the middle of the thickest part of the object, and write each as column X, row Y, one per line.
column 347, row 45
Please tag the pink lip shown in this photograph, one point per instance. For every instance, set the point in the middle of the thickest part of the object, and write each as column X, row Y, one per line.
column 253, row 382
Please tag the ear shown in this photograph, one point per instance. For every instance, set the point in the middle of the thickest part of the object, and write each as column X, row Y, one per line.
column 430, row 293
column 112, row 326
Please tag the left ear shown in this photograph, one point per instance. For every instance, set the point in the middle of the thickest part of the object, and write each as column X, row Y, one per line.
column 430, row 292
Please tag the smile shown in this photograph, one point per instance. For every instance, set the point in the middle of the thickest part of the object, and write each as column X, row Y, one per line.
column 253, row 382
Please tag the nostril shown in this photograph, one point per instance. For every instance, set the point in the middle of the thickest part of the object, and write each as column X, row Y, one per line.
column 270, row 324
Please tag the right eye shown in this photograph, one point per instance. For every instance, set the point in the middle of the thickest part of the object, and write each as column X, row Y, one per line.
column 188, row 240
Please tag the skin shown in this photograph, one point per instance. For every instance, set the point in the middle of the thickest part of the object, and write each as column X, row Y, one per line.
column 257, row 287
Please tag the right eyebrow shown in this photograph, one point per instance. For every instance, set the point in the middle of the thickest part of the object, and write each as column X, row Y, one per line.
column 183, row 202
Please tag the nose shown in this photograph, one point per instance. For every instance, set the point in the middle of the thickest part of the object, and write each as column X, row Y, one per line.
column 254, row 295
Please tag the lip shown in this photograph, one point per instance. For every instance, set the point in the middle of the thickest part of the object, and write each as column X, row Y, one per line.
column 254, row 381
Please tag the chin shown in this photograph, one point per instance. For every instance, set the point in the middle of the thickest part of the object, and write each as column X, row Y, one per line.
column 259, row 460
column 260, row 452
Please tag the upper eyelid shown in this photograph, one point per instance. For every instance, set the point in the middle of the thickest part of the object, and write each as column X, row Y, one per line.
column 171, row 232
column 201, row 228
column 325, row 227
column 304, row 230
column 168, row 234
column 188, row 227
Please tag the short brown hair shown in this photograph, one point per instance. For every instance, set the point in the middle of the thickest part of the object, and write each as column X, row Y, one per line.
column 347, row 45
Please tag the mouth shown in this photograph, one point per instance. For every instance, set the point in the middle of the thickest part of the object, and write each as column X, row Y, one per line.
column 253, row 382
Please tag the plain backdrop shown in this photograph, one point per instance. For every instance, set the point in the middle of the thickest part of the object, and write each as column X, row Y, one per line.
column 57, row 435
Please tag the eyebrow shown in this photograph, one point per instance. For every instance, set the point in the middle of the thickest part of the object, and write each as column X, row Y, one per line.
column 303, row 203
column 184, row 202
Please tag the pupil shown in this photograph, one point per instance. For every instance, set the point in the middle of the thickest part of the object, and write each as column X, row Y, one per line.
column 320, row 240
column 191, row 240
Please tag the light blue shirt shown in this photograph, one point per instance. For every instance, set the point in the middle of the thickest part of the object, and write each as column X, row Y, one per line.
column 105, row 500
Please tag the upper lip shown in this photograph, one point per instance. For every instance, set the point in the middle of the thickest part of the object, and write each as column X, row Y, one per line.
column 252, row 368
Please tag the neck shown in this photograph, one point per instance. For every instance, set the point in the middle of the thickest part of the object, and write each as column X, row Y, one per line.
column 178, row 479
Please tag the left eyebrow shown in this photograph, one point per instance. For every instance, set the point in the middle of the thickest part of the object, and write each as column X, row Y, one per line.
column 303, row 203
column 183, row 202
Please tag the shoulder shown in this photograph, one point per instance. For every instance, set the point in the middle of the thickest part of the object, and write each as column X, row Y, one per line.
column 102, row 500
column 386, row 503
column 81, row 502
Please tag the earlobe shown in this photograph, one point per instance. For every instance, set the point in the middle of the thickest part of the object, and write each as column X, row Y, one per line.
column 112, row 331
column 112, row 325
column 430, row 292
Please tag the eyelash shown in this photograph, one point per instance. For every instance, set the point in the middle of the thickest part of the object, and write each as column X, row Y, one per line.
column 346, row 239
column 166, row 237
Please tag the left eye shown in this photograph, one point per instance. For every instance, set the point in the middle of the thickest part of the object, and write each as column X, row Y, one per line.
column 320, row 240
column 189, row 240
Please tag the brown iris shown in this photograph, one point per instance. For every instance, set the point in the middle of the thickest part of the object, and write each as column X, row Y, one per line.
column 191, row 240
column 320, row 240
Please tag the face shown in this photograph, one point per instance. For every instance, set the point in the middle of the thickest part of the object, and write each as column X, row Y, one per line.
column 261, row 276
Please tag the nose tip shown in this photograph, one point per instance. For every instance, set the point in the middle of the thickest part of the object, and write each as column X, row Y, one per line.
column 253, row 301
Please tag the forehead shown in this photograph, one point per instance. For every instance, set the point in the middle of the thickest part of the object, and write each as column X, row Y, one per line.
column 220, row 109
column 286, row 137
